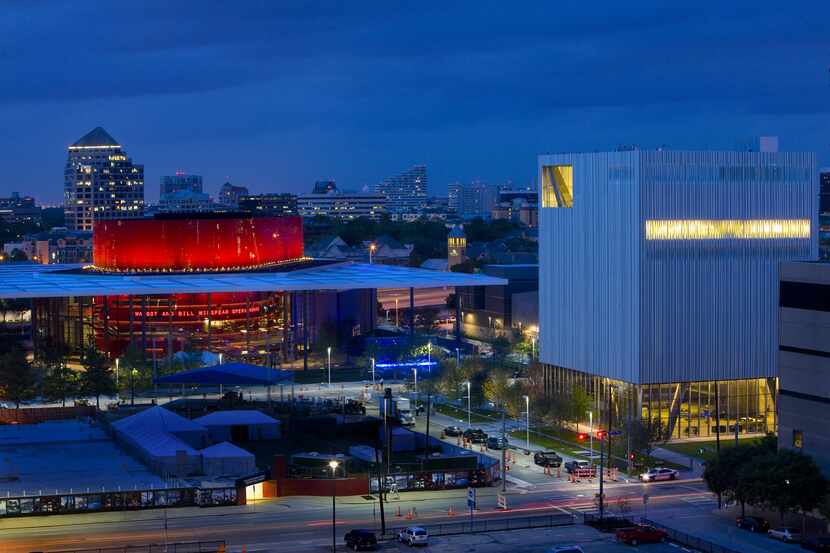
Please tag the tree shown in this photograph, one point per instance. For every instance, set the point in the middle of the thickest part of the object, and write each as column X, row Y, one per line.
column 60, row 384
column 501, row 347
column 642, row 437
column 738, row 473
column 97, row 378
column 580, row 403
column 17, row 377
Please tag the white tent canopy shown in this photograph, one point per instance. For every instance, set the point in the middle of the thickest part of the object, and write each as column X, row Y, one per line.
column 227, row 459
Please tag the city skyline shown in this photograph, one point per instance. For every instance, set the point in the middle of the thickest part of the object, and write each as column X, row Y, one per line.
column 286, row 95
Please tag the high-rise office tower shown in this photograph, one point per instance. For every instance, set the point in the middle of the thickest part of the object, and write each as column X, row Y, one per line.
column 230, row 194
column 661, row 281
column 100, row 182
column 180, row 181
column 406, row 192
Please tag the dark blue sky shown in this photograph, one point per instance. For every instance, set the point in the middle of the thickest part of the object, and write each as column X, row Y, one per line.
column 275, row 94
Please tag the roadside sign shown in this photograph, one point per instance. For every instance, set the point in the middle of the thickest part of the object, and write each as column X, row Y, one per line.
column 502, row 502
column 471, row 498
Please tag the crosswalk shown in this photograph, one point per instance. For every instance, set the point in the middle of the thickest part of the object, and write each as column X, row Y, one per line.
column 703, row 501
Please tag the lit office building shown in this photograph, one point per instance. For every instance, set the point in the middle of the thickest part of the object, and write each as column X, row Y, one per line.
column 169, row 184
column 100, row 182
column 406, row 192
column 342, row 205
column 661, row 277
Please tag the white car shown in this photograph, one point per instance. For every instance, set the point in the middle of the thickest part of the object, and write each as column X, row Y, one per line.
column 785, row 534
column 659, row 473
column 414, row 535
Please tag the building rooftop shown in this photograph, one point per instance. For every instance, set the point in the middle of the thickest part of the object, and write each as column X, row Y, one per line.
column 96, row 137
column 62, row 280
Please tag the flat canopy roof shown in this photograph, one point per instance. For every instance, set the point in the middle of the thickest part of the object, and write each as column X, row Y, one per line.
column 48, row 281
column 230, row 374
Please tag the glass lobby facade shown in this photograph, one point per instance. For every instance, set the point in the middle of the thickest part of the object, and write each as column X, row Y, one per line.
column 683, row 409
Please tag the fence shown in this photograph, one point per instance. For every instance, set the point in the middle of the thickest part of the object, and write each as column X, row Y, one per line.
column 691, row 541
column 501, row 524
column 176, row 547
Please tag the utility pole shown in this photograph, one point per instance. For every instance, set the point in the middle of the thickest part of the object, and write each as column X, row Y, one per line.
column 381, row 481
column 607, row 438
column 503, row 451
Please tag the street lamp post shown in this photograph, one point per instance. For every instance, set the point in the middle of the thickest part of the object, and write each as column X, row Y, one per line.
column 527, row 428
column 117, row 366
column 396, row 312
column 328, row 354
column 415, row 373
column 591, row 433
column 371, row 252
column 429, row 356
column 373, row 371
column 333, row 465
column 468, row 405
column 457, row 357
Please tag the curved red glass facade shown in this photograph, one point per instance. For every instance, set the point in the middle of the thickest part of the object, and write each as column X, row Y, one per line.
column 196, row 244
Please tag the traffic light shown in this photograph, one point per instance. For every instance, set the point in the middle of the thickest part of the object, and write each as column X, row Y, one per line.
column 601, row 434
column 631, row 457
column 582, row 436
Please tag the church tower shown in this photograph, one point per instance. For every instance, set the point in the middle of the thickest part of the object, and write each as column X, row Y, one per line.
column 456, row 246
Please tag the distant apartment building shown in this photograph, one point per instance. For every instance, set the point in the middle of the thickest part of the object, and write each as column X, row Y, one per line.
column 100, row 182
column 230, row 194
column 269, row 204
column 520, row 206
column 342, row 205
column 58, row 245
column 185, row 201
column 324, row 187
column 169, row 184
column 19, row 209
column 804, row 359
column 824, row 214
column 405, row 192
column 475, row 199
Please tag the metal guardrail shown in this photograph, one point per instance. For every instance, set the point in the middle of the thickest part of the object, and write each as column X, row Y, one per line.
column 691, row 541
column 174, row 547
column 485, row 525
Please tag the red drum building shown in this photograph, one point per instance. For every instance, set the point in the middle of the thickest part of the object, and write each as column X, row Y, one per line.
column 226, row 283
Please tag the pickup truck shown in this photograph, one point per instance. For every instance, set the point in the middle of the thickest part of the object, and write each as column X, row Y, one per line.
column 571, row 466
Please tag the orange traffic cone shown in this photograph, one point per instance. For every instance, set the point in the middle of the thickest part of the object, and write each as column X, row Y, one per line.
column 450, row 512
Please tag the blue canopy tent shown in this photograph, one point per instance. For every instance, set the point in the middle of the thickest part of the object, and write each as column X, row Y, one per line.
column 230, row 374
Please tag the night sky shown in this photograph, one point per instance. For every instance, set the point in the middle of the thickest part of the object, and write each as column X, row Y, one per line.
column 277, row 94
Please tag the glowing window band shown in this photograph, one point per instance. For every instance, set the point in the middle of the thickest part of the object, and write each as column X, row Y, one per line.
column 724, row 229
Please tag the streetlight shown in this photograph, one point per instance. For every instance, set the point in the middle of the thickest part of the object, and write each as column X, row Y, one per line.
column 133, row 374
column 415, row 372
column 396, row 312
column 429, row 356
column 468, row 405
column 333, row 465
column 117, row 365
column 373, row 371
column 457, row 357
column 328, row 354
column 220, row 358
column 527, row 411
column 372, row 248
column 591, row 433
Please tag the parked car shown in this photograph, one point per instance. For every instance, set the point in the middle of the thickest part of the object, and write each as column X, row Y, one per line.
column 476, row 435
column 659, row 473
column 453, row 431
column 753, row 524
column 414, row 535
column 547, row 459
column 641, row 533
column 566, row 549
column 787, row 534
column 497, row 442
column 571, row 466
column 816, row 543
column 361, row 539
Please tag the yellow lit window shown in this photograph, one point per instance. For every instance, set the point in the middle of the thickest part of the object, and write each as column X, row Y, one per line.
column 557, row 186
column 721, row 229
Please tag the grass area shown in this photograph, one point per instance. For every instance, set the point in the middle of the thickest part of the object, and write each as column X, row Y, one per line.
column 692, row 449
column 461, row 414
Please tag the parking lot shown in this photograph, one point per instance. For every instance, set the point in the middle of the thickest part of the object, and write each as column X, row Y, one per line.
column 532, row 541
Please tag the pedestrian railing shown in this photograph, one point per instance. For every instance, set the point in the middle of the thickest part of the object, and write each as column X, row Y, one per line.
column 691, row 541
column 173, row 547
column 485, row 525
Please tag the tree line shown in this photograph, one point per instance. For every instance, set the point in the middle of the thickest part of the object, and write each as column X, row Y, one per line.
column 760, row 475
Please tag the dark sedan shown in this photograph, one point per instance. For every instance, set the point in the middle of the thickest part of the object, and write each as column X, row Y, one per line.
column 753, row 524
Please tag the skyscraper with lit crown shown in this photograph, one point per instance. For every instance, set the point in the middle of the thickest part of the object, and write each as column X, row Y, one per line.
column 100, row 182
